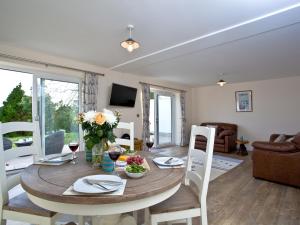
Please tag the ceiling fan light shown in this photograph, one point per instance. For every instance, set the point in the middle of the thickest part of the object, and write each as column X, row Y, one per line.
column 221, row 82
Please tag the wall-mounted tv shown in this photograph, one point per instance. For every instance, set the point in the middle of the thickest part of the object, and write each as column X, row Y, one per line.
column 122, row 95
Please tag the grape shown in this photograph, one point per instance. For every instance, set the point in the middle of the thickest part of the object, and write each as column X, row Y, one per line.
column 137, row 160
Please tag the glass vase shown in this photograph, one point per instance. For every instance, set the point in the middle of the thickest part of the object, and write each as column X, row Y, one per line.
column 88, row 155
column 97, row 152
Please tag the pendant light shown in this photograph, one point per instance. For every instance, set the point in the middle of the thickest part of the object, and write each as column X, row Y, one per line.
column 130, row 44
column 221, row 83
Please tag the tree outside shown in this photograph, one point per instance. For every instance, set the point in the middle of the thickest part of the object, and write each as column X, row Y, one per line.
column 58, row 116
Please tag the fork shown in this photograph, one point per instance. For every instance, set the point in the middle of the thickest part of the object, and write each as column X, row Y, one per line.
column 95, row 184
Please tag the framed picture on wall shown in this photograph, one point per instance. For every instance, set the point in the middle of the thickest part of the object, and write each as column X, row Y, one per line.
column 243, row 101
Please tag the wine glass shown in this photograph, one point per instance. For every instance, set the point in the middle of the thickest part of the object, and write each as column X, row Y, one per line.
column 114, row 153
column 150, row 142
column 73, row 147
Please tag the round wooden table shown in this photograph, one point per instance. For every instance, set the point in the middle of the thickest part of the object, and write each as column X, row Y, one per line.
column 45, row 186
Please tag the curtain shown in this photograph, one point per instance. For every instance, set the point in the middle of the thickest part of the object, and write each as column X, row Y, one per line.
column 183, row 119
column 90, row 91
column 146, row 112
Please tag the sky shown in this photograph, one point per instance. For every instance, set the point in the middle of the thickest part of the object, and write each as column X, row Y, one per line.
column 10, row 79
column 67, row 92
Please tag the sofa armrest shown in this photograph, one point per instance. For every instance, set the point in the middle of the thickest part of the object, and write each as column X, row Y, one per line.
column 275, row 147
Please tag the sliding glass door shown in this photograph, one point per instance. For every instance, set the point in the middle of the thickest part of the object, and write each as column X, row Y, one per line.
column 57, row 108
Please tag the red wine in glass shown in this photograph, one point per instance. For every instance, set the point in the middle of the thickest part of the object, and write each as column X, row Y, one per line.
column 149, row 144
column 73, row 147
column 114, row 155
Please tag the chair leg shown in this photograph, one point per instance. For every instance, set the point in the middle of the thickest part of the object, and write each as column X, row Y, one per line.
column 189, row 221
column 146, row 216
column 2, row 221
column 80, row 220
column 135, row 215
column 203, row 214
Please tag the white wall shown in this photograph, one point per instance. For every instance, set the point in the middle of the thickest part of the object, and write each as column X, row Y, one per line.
column 276, row 107
column 128, row 114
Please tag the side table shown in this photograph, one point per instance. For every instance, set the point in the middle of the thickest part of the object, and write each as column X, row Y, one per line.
column 242, row 149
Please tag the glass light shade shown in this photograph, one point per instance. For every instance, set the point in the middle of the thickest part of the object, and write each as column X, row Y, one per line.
column 130, row 44
column 221, row 83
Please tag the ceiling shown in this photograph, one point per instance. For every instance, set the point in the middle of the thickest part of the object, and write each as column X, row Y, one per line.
column 191, row 42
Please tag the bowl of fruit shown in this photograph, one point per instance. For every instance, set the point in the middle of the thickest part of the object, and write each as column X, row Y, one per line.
column 135, row 168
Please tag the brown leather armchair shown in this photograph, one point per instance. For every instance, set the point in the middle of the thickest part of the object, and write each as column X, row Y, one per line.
column 278, row 162
column 226, row 135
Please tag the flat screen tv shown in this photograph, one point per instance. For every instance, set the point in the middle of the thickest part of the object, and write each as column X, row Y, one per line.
column 122, row 95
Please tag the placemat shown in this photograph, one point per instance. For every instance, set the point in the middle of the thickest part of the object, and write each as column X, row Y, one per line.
column 120, row 191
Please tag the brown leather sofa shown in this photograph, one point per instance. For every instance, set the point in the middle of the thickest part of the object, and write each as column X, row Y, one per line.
column 277, row 162
column 226, row 135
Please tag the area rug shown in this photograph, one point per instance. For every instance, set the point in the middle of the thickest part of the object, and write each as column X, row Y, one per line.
column 220, row 164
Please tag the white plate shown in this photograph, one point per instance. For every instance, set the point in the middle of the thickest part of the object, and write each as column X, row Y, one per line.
column 83, row 187
column 174, row 162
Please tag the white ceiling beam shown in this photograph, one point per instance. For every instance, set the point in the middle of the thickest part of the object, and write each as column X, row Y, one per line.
column 211, row 34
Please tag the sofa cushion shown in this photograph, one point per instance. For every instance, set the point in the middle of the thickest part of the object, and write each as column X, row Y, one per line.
column 290, row 139
column 281, row 138
column 225, row 133
column 286, row 147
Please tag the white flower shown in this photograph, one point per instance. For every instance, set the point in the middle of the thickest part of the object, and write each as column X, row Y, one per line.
column 90, row 116
column 109, row 115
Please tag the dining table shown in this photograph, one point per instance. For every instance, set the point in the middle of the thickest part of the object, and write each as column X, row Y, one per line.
column 45, row 185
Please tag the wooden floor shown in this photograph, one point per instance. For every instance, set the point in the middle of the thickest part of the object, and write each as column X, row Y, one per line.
column 236, row 198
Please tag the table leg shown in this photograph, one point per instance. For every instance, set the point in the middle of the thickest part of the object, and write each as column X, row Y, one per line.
column 117, row 219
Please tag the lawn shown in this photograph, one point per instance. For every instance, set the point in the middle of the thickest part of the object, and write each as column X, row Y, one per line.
column 69, row 137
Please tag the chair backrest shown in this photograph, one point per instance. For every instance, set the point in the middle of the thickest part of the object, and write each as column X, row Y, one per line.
column 123, row 141
column 6, row 183
column 200, row 178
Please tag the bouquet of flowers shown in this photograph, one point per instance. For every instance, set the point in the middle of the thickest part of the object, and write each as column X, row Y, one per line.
column 98, row 130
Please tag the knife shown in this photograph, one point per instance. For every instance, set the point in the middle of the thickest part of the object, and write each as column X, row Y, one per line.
column 168, row 161
column 108, row 182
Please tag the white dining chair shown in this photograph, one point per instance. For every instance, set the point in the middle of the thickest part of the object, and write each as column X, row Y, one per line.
column 20, row 208
column 190, row 200
column 123, row 141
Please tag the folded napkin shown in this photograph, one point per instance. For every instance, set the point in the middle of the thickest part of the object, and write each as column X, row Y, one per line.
column 55, row 159
column 120, row 191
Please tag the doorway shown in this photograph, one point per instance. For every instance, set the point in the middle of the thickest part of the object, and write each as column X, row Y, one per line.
column 162, row 126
